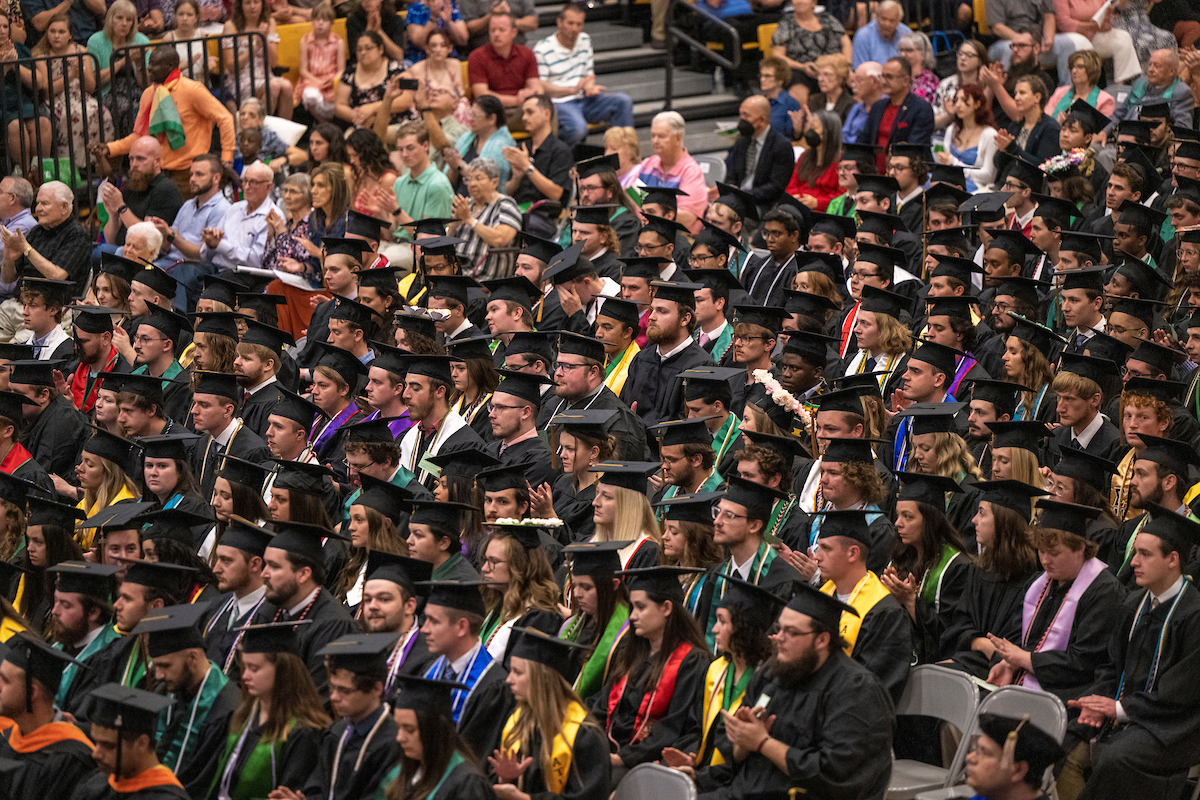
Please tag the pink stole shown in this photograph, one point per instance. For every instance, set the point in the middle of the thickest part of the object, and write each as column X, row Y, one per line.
column 1058, row 635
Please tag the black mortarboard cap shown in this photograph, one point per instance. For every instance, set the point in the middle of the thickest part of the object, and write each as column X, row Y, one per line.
column 658, row 580
column 393, row 359
column 807, row 304
column 447, row 516
column 455, row 287
column 597, row 559
column 818, row 606
column 343, row 362
column 1178, row 531
column 373, row 430
column 340, row 246
column 458, row 595
column 682, row 431
column 525, row 385
column 242, row 534
column 811, row 346
column 525, row 535
column 272, row 637
column 1174, row 454
column 34, row 372
column 84, row 577
column 948, row 173
column 881, row 301
column 269, row 337
column 174, row 523
column 789, row 447
column 166, row 321
column 360, row 653
column 157, row 279
column 695, row 508
column 630, row 475
column 1025, row 171
column 296, row 408
column 430, row 226
column 170, row 578
column 1080, row 465
column 94, row 319
column 594, row 215
column 403, row 571
column 40, row 661
column 702, row 382
column 947, row 192
column 880, row 224
column 741, row 201
column 1089, row 114
column 929, row 489
column 541, row 249
column 932, row 417
column 1039, row 336
column 439, row 245
column 383, row 496
column 712, row 236
column 300, row 476
column 1022, row 434
column 828, row 264
column 955, row 267
column 1085, row 366
column 222, row 384
column 886, row 258
column 647, row 268
column 110, row 446
column 44, row 511
column 682, row 293
column 172, row 629
column 301, row 539
column 881, row 185
column 1014, row 495
column 553, row 652
column 470, row 347
column 569, row 265
column 1069, row 517
column 1157, row 356
column 535, row 343
column 220, row 323
column 1034, row 746
column 941, row 357
column 623, row 311
column 131, row 711
column 414, row 693
column 1170, row 392
column 839, row 450
column 1025, row 289
column 755, row 602
column 360, row 224
column 519, row 290
column 220, row 290
column 769, row 317
column 124, row 268
column 171, row 445
column 12, row 405
column 1141, row 216
column 848, row 401
column 594, row 166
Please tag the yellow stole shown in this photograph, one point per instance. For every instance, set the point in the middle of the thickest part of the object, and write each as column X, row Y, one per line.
column 616, row 378
column 714, row 688
column 866, row 594
column 9, row 626
column 560, row 751
column 86, row 537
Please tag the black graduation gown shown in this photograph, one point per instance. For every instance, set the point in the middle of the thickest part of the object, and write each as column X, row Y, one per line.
column 56, row 437
column 258, row 407
column 416, row 663
column 330, row 620
column 221, row 635
column 932, row 619
column 34, row 472
column 288, row 373
column 293, row 762
column 655, row 385
column 607, row 265
column 627, row 428
column 885, row 644
column 680, row 727
column 1105, row 444
column 1070, row 673
column 380, row 755
column 482, row 720
column 548, row 315
column 1104, row 533
column 97, row 787
column 532, row 452
column 52, row 770
column 574, row 508
column 988, row 604
column 206, row 455
column 200, row 763
column 1162, row 735
column 466, row 782
column 318, row 331
column 177, row 400
column 590, row 773
column 627, row 227
column 837, row 724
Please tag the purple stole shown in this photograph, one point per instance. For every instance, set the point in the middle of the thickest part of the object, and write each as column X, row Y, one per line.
column 330, row 430
column 397, row 426
column 964, row 366
column 1058, row 635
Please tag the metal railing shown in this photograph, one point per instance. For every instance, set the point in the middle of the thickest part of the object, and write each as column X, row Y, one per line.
column 50, row 143
column 675, row 33
column 195, row 65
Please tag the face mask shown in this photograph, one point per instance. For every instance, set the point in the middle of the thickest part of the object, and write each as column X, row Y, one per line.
column 745, row 128
column 812, row 138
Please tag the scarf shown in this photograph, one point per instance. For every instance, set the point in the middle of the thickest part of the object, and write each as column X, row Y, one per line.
column 1058, row 634
column 161, row 117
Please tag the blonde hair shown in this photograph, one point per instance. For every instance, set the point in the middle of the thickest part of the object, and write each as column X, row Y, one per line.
column 118, row 7
column 839, row 64
column 954, row 460
column 1035, row 370
column 632, row 518
column 821, row 284
column 627, row 138
column 113, row 482
column 550, row 696
column 894, row 338
column 1023, row 467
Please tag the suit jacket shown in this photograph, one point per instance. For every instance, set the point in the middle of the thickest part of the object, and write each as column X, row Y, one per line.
column 772, row 170
column 913, row 123
column 1041, row 145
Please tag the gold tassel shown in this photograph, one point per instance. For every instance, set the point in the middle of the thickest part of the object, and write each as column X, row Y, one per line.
column 1010, row 745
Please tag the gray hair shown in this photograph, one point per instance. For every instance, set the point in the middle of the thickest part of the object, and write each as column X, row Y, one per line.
column 147, row 233
column 258, row 108
column 62, row 192
column 22, row 190
column 301, row 181
column 673, row 119
column 920, row 42
column 485, row 165
column 260, row 169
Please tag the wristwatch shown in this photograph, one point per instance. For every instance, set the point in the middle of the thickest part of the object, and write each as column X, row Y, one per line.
column 28, row 249
column 122, row 210
column 171, row 234
column 529, row 170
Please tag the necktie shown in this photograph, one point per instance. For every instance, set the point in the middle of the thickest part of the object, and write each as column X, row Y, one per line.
column 751, row 159
column 450, row 675
column 704, row 340
column 1080, row 341
column 1075, row 445
column 1154, row 603
column 870, row 365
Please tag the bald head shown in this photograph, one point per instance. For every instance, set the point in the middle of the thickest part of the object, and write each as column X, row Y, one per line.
column 867, row 82
column 756, row 110
column 145, row 156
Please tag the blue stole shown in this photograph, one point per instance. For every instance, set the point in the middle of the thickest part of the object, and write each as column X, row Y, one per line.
column 479, row 665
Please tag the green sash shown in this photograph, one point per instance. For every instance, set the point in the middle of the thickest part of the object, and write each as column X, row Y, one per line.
column 108, row 634
column 394, row 774
column 190, row 728
column 595, row 669
column 933, row 578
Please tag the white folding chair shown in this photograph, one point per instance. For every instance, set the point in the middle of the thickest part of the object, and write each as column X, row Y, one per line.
column 944, row 694
column 655, row 782
column 1045, row 711
column 713, row 168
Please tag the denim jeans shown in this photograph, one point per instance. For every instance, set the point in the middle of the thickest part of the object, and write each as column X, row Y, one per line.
column 574, row 115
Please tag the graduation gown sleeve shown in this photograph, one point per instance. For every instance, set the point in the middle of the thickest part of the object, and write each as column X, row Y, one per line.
column 932, row 620
column 50, row 771
column 200, row 764
column 484, row 715
column 303, row 748
column 590, row 773
column 988, row 605
column 465, row 783
column 885, row 644
column 680, row 726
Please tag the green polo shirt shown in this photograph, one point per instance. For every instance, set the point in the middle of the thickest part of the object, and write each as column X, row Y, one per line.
column 429, row 195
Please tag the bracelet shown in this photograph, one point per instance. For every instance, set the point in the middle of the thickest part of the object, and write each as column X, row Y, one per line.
column 766, row 738
column 28, row 249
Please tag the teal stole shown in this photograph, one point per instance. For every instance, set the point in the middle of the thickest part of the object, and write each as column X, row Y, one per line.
column 108, row 634
column 394, row 774
column 185, row 736
column 758, row 568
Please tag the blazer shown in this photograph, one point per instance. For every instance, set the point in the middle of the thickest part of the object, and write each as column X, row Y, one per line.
column 1042, row 144
column 772, row 171
column 913, row 123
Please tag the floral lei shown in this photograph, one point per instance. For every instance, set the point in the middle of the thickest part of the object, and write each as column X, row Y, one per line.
column 1064, row 161
column 782, row 397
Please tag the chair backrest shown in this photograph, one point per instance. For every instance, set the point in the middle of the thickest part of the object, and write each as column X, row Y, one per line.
column 1045, row 710
column 655, row 781
column 945, row 694
column 713, row 168
column 765, row 32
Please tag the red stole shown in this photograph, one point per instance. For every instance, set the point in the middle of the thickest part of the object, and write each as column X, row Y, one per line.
column 83, row 397
column 17, row 456
column 656, row 702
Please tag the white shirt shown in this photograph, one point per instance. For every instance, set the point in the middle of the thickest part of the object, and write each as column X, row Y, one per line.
column 1089, row 431
column 264, row 384
column 714, row 333
column 675, row 350
column 1165, row 597
column 565, row 67
column 245, row 238
column 244, row 604
column 296, row 609
column 224, row 436
column 454, row 334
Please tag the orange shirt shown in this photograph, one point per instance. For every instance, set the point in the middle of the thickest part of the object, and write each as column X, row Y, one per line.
column 198, row 111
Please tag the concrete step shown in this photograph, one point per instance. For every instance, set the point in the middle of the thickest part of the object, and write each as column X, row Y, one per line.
column 702, row 114
column 705, row 106
column 548, row 11
column 606, row 36
column 639, row 58
column 645, row 85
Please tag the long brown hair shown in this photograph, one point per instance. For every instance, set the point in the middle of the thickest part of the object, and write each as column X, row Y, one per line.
column 936, row 535
column 531, row 585
column 550, row 696
column 681, row 627
column 699, row 549
column 382, row 536
column 1011, row 555
column 439, row 742
column 294, row 699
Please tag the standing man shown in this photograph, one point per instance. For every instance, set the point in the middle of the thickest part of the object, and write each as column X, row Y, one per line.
column 567, row 69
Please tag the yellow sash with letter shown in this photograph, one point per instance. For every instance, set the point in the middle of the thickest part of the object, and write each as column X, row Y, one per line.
column 866, row 594
column 560, row 751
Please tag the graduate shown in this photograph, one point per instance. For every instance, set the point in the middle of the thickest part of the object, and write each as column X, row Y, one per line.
column 53, row 755
column 1067, row 614
column 652, row 697
column 433, row 537
column 583, row 442
column 454, row 613
column 389, row 605
column 832, row 730
column 275, row 734
column 435, row 763
column 83, row 612
column 520, row 590
column 192, row 733
column 239, row 566
column 551, row 746
column 601, row 619
column 124, row 728
column 360, row 748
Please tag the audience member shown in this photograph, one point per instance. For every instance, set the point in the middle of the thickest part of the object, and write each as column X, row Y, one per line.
column 815, row 181
column 900, row 116
column 487, row 138
column 866, row 84
column 484, row 219
column 503, row 68
column 760, row 161
column 360, row 92
column 833, row 74
column 1160, row 84
column 970, row 139
column 623, row 143
column 969, row 59
column 541, row 165
column 879, row 39
column 803, row 37
column 479, row 13
column 245, row 78
column 918, row 51
column 1085, row 85
column 672, row 166
column 774, row 76
column 424, row 18
column 378, row 16
column 241, row 237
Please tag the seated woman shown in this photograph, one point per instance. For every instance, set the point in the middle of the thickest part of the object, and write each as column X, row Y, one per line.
column 237, row 491
column 102, row 480
column 487, row 138
column 651, row 700
column 1031, row 135
column 1025, row 364
column 882, row 340
column 475, row 378
column 582, row 444
column 995, row 587
column 833, row 73
column 687, row 541
column 243, row 80
column 804, row 36
column 120, row 31
column 602, row 612
column 301, row 491
column 1067, row 614
column 929, row 566
column 938, row 450
column 1085, row 67
column 334, row 378
column 289, row 245
column 371, row 175
column 624, row 142
column 326, row 145
column 550, row 728
column 48, row 542
column 486, row 219
column 371, row 529
column 169, row 482
column 435, row 763
column 363, row 83
column 521, row 591
column 275, row 734
column 917, row 50
column 971, row 140
column 379, row 17
column 815, row 182
column 456, row 484
column 20, row 113
column 622, row 513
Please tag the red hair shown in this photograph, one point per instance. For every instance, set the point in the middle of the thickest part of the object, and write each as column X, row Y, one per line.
column 983, row 114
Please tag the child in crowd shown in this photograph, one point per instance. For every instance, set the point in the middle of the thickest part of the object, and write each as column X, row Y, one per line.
column 322, row 59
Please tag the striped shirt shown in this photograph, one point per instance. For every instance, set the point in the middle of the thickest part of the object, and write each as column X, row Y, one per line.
column 562, row 67
column 473, row 252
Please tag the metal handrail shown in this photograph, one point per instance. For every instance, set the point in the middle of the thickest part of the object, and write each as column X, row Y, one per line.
column 673, row 32
column 41, row 67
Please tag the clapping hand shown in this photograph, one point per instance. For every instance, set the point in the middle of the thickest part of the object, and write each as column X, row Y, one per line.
column 1095, row 710
column 507, row 768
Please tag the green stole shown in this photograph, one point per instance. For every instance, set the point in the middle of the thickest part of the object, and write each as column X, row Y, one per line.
column 930, row 584
column 394, row 774
column 212, row 685
column 135, row 666
column 722, row 344
column 168, row 374
column 711, row 484
column 615, row 362
column 256, row 778
column 725, row 436
column 595, row 669
column 107, row 635
column 450, row 563
column 758, row 567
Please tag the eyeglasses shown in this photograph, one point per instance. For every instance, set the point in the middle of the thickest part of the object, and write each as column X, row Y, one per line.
column 254, row 181
column 794, row 633
column 891, row 76
column 493, row 562
column 343, row 691
column 968, row 53
column 493, row 406
column 146, row 340
column 728, row 516
column 738, row 338
column 357, row 467
column 1016, row 46
column 694, row 259
column 862, row 276
column 565, row 367
column 1015, row 186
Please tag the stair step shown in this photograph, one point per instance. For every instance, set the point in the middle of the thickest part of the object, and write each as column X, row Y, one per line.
column 548, row 11
column 633, row 58
column 645, row 85
column 701, row 113
column 606, row 35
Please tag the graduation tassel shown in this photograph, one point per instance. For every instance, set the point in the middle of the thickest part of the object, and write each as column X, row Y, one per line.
column 1010, row 744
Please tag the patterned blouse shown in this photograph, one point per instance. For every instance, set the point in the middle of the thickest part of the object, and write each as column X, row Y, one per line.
column 362, row 95
column 474, row 251
column 287, row 245
column 925, row 86
column 804, row 45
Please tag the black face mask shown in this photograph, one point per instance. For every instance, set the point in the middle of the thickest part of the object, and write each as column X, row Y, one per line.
column 745, row 128
column 812, row 138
